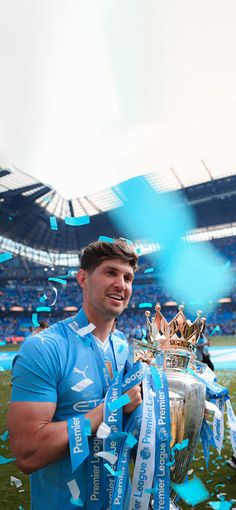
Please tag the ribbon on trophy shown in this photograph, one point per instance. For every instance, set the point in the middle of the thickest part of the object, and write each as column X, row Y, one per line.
column 219, row 398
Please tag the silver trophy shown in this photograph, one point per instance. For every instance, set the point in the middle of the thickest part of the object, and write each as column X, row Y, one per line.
column 171, row 346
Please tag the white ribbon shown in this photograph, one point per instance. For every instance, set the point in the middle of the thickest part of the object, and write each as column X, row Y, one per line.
column 218, row 424
column 145, row 460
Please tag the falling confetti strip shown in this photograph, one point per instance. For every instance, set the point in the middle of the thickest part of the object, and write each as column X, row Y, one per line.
column 5, row 256
column 106, row 239
column 43, row 309
column 43, row 298
column 217, row 328
column 149, row 270
column 145, row 305
column 77, row 221
column 35, row 320
column 58, row 280
column 53, row 223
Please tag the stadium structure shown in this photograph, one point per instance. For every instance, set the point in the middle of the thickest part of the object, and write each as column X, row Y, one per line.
column 41, row 251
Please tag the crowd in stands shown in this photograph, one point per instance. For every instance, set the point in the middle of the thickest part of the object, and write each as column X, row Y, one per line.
column 27, row 296
column 36, row 290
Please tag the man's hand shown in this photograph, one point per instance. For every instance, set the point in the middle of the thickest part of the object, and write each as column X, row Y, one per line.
column 135, row 399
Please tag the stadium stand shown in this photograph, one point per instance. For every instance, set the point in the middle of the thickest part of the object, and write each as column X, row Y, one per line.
column 38, row 253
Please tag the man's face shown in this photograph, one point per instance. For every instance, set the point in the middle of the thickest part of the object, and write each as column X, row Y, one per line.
column 107, row 289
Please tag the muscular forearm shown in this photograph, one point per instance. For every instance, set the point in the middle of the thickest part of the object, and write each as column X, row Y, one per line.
column 47, row 443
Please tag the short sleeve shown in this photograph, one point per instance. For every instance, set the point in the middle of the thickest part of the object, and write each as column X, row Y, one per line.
column 35, row 371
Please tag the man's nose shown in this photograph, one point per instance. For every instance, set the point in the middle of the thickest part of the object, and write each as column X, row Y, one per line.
column 120, row 282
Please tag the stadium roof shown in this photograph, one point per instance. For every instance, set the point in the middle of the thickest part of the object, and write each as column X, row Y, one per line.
column 26, row 206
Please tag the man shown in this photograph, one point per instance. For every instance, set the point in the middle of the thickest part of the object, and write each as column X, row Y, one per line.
column 56, row 376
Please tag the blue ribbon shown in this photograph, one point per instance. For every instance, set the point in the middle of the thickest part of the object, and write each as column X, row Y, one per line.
column 112, row 444
column 122, row 487
column 78, row 441
column 207, row 441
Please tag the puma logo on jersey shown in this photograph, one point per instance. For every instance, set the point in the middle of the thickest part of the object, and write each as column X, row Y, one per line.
column 84, row 383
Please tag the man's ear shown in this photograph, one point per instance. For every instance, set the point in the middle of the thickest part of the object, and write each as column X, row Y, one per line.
column 81, row 278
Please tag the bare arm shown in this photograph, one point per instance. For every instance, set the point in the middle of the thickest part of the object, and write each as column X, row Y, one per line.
column 35, row 440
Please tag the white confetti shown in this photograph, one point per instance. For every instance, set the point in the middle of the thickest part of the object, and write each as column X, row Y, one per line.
column 74, row 489
column 15, row 481
column 103, row 431
column 107, row 456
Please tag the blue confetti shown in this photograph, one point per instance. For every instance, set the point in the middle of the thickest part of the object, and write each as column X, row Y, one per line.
column 76, row 502
column 149, row 270
column 43, row 298
column 4, row 436
column 119, row 402
column 180, row 446
column 5, row 256
column 5, row 460
column 43, row 309
column 152, row 490
column 53, row 223
column 217, row 328
column 130, row 440
column 145, row 305
column 220, row 505
column 114, row 473
column 128, row 241
column 106, row 239
column 35, row 320
column 192, row 492
column 87, row 427
column 77, row 221
column 58, row 280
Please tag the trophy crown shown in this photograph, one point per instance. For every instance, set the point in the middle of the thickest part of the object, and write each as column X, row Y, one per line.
column 178, row 333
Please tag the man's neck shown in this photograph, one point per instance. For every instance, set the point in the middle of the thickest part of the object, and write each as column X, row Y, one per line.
column 103, row 327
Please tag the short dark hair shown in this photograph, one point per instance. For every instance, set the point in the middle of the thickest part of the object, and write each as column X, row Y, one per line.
column 98, row 251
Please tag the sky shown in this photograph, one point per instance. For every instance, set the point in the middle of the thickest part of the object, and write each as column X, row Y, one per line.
column 94, row 92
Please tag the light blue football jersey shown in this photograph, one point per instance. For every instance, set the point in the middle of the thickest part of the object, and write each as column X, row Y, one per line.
column 58, row 366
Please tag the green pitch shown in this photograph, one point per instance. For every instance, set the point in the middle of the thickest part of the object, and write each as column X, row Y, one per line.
column 220, row 479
